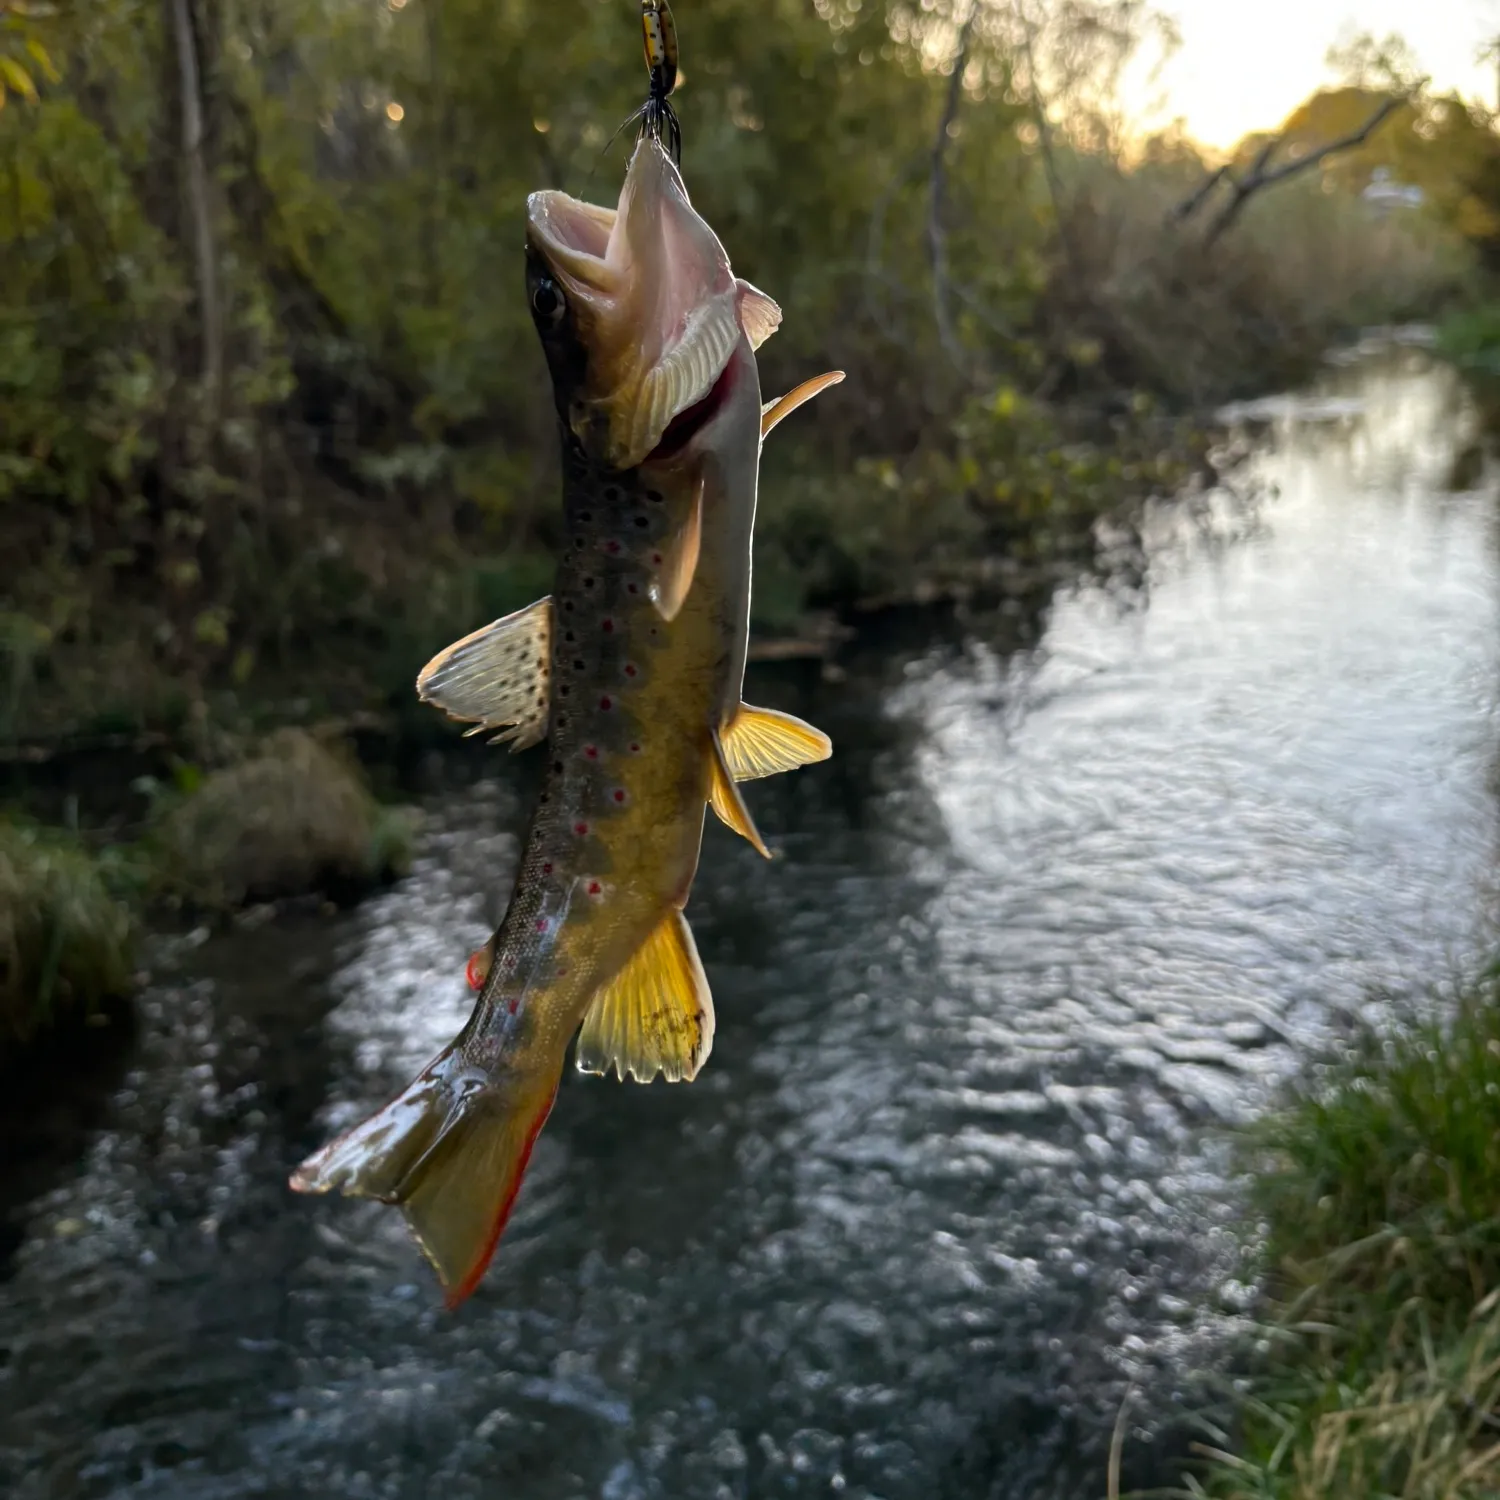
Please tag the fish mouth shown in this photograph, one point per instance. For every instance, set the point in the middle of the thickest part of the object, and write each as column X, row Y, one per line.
column 572, row 238
column 654, row 305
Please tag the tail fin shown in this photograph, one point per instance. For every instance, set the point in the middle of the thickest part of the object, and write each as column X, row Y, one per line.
column 451, row 1151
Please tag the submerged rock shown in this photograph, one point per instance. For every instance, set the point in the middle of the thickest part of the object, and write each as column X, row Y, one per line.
column 296, row 817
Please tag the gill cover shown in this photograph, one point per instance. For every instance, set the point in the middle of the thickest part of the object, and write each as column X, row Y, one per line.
column 652, row 304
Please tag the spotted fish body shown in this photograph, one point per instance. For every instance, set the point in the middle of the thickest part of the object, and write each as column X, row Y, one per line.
column 631, row 672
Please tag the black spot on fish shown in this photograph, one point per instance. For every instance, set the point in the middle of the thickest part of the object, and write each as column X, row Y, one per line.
column 642, row 522
column 654, row 496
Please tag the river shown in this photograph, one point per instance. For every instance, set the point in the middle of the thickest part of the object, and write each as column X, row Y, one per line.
column 1073, row 895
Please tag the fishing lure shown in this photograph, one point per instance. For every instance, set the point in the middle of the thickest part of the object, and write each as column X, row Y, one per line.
column 659, row 38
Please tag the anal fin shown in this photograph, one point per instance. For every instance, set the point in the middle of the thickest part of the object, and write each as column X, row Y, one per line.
column 724, row 797
column 498, row 677
column 656, row 1015
column 764, row 741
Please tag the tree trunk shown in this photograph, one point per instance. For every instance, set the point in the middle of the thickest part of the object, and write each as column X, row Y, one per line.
column 210, row 313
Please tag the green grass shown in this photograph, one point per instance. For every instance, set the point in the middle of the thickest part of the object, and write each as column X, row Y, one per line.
column 65, row 940
column 296, row 816
column 1378, row 1188
column 1471, row 339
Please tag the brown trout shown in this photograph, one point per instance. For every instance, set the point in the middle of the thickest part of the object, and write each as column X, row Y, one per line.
column 631, row 671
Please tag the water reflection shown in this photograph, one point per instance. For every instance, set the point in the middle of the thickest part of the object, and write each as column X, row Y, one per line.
column 949, row 1183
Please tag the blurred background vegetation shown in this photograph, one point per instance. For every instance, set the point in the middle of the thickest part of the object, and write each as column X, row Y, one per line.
column 272, row 422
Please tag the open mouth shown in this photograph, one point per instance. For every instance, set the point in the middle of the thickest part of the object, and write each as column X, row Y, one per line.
column 572, row 237
column 687, row 424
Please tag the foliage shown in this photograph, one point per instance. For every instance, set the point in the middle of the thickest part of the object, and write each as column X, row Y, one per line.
column 65, row 941
column 1471, row 339
column 382, row 442
column 295, row 817
column 1380, row 1191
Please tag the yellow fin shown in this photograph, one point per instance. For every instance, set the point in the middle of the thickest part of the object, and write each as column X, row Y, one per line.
column 763, row 741
column 680, row 559
column 498, row 677
column 656, row 1015
column 724, row 797
column 451, row 1150
column 773, row 411
column 760, row 317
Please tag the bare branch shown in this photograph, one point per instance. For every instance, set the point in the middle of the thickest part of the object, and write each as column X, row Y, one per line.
column 1198, row 197
column 1258, row 177
column 1060, row 212
column 937, row 239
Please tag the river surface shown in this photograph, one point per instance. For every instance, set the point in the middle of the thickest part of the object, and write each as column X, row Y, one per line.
column 1073, row 895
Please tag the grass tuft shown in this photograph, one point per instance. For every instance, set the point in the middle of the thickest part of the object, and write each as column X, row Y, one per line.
column 297, row 817
column 1379, row 1191
column 65, row 942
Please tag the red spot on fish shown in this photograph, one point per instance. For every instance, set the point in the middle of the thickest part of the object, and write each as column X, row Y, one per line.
column 607, row 625
column 630, row 669
column 595, row 888
column 514, row 1004
column 581, row 829
column 547, row 868
column 635, row 748
column 656, row 558
column 561, row 970
column 476, row 971
column 612, row 547
column 632, row 588
column 541, row 924
column 592, row 751
column 606, row 702
column 619, row 794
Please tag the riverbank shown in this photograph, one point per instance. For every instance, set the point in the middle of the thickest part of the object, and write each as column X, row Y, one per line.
column 288, row 815
column 1378, row 1189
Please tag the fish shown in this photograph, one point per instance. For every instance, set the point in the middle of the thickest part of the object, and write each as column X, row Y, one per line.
column 631, row 671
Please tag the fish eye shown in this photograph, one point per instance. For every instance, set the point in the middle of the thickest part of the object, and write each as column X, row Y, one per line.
column 547, row 301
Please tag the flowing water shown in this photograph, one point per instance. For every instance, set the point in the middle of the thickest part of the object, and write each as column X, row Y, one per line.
column 1065, row 902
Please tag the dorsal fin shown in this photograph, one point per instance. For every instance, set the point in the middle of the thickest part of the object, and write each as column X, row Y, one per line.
column 498, row 677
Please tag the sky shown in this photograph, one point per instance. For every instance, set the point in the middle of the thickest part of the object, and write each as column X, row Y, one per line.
column 1244, row 67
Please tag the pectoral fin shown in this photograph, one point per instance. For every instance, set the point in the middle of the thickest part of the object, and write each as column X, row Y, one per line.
column 498, row 677
column 724, row 797
column 656, row 1015
column 762, row 741
column 679, row 559
column 760, row 317
column 773, row 411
